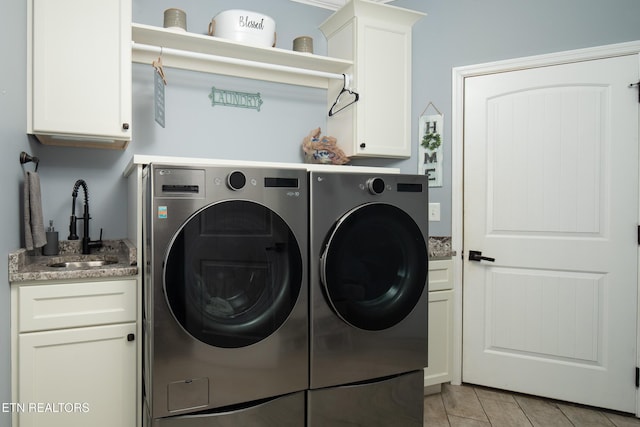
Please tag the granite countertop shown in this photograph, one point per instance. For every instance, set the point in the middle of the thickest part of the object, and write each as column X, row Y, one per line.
column 440, row 248
column 27, row 265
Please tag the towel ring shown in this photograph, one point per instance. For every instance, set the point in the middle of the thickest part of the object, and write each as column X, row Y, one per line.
column 26, row 158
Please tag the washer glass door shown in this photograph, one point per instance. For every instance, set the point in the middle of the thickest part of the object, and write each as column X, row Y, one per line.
column 233, row 273
column 374, row 266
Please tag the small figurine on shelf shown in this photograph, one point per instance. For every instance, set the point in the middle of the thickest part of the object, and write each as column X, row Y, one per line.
column 322, row 149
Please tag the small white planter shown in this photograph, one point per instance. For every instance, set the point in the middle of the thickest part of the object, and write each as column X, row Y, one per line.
column 244, row 26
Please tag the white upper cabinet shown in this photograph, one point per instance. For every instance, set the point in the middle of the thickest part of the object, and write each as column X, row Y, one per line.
column 377, row 38
column 79, row 72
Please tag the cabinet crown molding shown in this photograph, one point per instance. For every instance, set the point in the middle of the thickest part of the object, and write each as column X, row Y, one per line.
column 332, row 4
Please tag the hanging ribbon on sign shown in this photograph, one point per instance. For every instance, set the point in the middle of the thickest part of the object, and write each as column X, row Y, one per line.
column 159, row 82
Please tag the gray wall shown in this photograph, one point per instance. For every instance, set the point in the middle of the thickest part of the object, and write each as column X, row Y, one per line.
column 455, row 33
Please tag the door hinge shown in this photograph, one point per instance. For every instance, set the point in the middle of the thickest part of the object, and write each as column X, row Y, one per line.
column 639, row 235
column 637, row 85
column 637, row 377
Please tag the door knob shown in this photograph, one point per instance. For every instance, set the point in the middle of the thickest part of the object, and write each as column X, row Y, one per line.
column 477, row 256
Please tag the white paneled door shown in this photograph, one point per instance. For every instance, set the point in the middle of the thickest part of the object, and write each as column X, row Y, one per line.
column 551, row 192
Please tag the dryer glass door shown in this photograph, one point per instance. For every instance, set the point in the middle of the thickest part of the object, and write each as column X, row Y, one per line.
column 374, row 266
column 233, row 273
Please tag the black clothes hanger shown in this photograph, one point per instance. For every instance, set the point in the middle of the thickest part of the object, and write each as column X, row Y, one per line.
column 345, row 89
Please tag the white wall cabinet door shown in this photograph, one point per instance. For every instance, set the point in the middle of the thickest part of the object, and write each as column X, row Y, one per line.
column 377, row 38
column 78, row 377
column 79, row 70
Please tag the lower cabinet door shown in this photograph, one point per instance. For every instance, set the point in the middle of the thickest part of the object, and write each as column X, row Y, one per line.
column 77, row 377
column 440, row 338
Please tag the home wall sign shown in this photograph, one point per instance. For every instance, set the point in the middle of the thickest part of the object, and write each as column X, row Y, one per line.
column 232, row 98
column 430, row 153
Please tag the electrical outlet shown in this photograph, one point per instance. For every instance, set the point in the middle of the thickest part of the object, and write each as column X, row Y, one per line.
column 434, row 211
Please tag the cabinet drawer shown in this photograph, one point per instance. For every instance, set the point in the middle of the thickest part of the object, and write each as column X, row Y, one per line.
column 440, row 275
column 70, row 305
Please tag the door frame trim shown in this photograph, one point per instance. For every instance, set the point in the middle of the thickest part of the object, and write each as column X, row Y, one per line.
column 458, row 76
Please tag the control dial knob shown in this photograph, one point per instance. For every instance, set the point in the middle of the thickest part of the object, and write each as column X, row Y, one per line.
column 375, row 185
column 236, row 180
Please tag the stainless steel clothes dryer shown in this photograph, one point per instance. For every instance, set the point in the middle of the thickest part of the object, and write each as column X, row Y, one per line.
column 225, row 290
column 368, row 281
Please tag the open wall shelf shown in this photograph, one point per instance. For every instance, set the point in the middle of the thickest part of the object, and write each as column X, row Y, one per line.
column 208, row 54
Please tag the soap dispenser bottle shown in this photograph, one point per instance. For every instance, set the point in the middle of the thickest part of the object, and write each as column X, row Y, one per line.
column 51, row 248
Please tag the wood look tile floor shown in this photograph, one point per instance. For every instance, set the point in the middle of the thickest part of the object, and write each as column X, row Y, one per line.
column 473, row 406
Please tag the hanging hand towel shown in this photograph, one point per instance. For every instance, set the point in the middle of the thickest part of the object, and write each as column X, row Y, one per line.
column 34, row 235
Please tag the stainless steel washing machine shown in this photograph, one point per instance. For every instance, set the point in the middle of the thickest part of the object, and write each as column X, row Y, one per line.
column 225, row 294
column 368, row 282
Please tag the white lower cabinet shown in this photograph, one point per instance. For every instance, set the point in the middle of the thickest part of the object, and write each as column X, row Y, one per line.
column 440, row 323
column 82, row 370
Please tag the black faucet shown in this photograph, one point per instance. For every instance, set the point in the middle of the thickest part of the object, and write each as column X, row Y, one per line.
column 87, row 244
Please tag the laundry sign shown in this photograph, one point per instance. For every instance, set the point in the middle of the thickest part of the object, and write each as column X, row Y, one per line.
column 430, row 152
column 231, row 98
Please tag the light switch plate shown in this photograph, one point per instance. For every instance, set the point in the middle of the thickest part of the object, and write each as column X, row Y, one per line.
column 434, row 211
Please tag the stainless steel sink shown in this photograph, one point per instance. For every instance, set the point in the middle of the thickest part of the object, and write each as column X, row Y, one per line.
column 82, row 264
